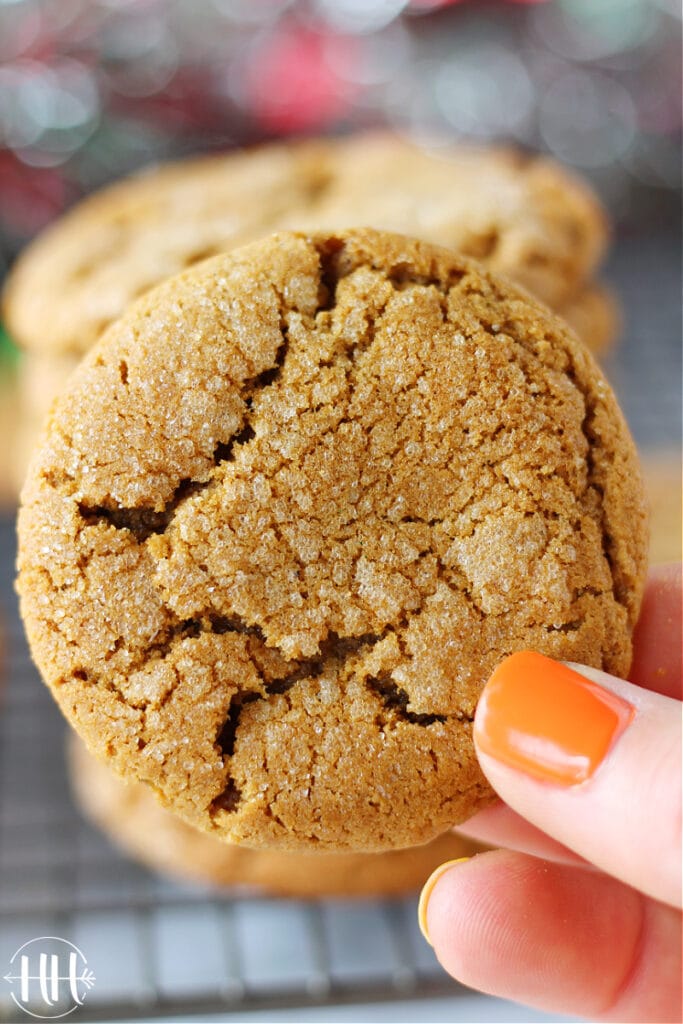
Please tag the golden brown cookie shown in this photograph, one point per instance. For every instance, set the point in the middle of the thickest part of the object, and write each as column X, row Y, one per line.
column 135, row 822
column 40, row 378
column 525, row 217
column 292, row 510
column 594, row 315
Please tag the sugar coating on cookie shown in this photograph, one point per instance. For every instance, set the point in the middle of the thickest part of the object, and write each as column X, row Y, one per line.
column 292, row 510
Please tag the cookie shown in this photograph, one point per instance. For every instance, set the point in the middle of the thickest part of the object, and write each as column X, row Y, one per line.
column 131, row 817
column 81, row 273
column 525, row 217
column 292, row 510
column 594, row 315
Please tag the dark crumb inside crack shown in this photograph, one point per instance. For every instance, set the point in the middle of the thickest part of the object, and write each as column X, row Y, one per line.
column 396, row 699
column 228, row 800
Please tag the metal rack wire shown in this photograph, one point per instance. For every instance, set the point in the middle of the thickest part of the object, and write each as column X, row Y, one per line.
column 159, row 948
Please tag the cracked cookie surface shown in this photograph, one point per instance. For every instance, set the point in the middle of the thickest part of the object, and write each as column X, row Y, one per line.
column 291, row 511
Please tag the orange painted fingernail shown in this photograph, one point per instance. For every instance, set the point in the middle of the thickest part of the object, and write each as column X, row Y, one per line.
column 539, row 716
column 427, row 892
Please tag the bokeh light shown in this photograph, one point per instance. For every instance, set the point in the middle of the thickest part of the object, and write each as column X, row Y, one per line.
column 587, row 119
column 90, row 89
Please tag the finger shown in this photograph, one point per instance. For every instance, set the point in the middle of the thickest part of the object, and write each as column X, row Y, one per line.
column 556, row 937
column 657, row 638
column 591, row 760
column 500, row 826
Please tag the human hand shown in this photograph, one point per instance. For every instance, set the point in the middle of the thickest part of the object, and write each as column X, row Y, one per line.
column 580, row 913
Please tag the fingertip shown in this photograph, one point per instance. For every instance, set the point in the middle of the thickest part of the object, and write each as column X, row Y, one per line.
column 426, row 894
column 529, row 930
column 461, row 913
column 543, row 718
column 592, row 761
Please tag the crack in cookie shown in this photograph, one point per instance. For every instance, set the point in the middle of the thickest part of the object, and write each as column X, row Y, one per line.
column 143, row 522
column 396, row 699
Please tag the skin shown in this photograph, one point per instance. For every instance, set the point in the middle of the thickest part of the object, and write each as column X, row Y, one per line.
column 579, row 913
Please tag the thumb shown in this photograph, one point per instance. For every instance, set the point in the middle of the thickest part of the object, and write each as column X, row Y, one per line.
column 593, row 761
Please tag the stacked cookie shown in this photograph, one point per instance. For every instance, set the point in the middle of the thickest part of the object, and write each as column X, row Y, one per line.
column 523, row 217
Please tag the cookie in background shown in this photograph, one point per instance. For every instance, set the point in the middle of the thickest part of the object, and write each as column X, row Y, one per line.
column 525, row 217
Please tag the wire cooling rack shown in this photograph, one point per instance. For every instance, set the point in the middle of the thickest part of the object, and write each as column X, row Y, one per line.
column 161, row 949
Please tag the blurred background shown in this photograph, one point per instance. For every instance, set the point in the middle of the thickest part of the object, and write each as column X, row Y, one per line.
column 93, row 89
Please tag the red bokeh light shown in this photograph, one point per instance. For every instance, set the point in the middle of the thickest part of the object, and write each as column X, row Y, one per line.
column 291, row 83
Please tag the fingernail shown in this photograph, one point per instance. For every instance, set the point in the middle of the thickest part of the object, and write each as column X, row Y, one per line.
column 539, row 716
column 427, row 892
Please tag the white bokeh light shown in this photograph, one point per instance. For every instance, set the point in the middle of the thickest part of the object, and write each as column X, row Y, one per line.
column 485, row 91
column 588, row 120
column 359, row 15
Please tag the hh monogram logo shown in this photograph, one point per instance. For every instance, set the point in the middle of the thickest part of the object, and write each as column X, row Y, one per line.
column 49, row 977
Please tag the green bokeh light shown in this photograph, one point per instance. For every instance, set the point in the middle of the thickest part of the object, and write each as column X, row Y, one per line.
column 9, row 353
